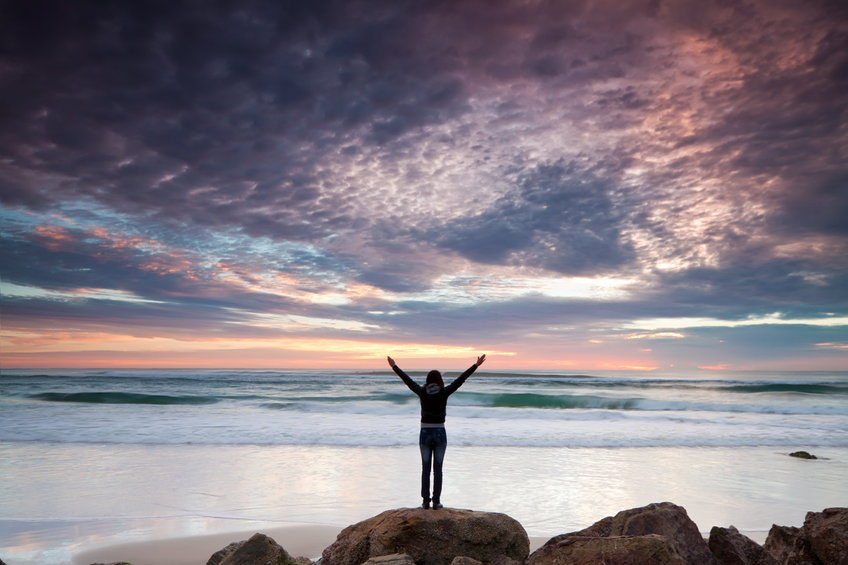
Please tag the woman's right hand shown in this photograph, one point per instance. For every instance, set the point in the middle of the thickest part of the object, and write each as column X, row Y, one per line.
column 481, row 359
column 391, row 361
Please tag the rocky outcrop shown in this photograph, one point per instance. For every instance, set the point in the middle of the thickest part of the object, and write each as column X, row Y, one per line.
column 611, row 550
column 219, row 555
column 802, row 455
column 732, row 548
column 822, row 540
column 258, row 550
column 786, row 545
column 430, row 537
column 827, row 534
column 666, row 520
column 659, row 534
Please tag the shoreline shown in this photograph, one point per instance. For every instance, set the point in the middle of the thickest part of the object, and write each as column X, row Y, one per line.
column 187, row 502
column 298, row 540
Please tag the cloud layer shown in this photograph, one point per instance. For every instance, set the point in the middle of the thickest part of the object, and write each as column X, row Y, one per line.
column 444, row 173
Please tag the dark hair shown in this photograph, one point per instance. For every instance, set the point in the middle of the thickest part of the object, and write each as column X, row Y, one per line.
column 435, row 377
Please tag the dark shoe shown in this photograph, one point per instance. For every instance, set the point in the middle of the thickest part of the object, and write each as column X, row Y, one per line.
column 437, row 505
column 425, row 504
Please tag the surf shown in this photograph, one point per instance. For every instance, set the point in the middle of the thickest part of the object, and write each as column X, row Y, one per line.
column 121, row 398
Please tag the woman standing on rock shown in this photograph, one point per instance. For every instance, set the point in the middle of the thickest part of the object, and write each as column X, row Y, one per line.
column 433, row 440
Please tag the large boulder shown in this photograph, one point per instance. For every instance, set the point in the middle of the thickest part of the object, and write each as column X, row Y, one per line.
column 823, row 539
column 827, row 534
column 732, row 548
column 612, row 550
column 219, row 555
column 430, row 537
column 662, row 519
column 784, row 543
column 258, row 550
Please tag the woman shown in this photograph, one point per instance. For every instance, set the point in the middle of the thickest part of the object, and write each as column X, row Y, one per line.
column 433, row 440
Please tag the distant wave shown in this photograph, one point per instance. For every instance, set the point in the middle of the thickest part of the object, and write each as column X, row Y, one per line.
column 121, row 398
column 558, row 401
column 815, row 388
column 279, row 405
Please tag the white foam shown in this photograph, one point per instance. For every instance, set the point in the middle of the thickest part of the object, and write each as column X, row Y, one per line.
column 270, row 409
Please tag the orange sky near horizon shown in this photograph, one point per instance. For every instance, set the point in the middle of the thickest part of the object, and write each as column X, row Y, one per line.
column 104, row 351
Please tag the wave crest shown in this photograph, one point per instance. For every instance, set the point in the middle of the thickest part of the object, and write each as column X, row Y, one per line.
column 121, row 398
column 557, row 401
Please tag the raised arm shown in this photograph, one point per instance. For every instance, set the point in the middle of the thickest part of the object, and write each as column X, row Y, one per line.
column 413, row 386
column 451, row 388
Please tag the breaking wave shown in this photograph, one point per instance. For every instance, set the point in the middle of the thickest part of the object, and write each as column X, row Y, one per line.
column 121, row 398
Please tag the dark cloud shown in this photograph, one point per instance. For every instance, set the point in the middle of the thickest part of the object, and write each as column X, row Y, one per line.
column 758, row 288
column 559, row 217
column 216, row 114
column 98, row 314
column 68, row 259
column 820, row 207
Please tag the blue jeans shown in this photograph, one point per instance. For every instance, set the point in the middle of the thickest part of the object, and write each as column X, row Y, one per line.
column 433, row 442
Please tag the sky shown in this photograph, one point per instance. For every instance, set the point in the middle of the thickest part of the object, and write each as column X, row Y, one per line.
column 565, row 185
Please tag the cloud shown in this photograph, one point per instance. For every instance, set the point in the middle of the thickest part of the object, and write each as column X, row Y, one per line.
column 269, row 157
column 559, row 218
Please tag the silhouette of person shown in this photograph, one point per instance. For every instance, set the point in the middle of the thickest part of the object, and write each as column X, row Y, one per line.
column 433, row 440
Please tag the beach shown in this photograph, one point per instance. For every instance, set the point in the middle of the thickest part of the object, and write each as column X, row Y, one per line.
column 184, row 501
column 307, row 541
column 169, row 467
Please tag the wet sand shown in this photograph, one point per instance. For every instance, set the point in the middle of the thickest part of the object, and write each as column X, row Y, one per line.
column 68, row 503
column 307, row 541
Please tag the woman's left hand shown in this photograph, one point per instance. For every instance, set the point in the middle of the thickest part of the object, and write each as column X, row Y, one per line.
column 481, row 359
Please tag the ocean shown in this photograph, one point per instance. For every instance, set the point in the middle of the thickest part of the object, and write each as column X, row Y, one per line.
column 97, row 457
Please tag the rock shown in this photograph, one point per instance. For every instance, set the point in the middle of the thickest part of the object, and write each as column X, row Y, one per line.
column 662, row 519
column 784, row 543
column 826, row 533
column 732, row 548
column 823, row 539
column 258, row 550
column 609, row 550
column 393, row 559
column 430, row 537
column 219, row 555
column 802, row 455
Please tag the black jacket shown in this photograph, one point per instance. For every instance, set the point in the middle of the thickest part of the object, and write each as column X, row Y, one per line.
column 434, row 400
